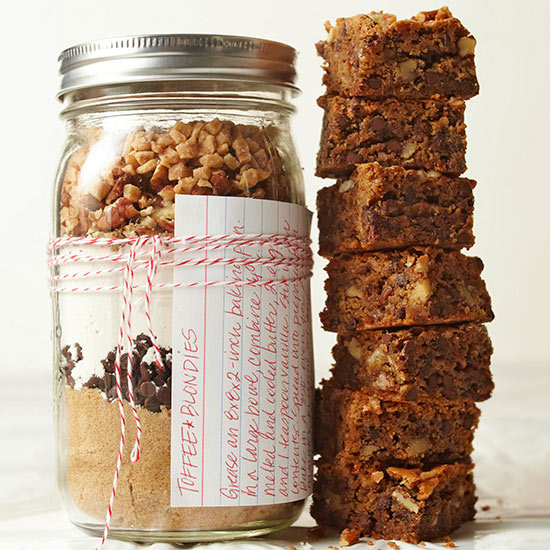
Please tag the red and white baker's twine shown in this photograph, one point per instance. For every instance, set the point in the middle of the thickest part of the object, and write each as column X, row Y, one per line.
column 151, row 252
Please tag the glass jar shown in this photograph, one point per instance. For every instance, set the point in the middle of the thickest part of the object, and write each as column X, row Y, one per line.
column 150, row 118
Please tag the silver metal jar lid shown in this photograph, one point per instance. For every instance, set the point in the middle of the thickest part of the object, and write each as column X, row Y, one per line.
column 169, row 57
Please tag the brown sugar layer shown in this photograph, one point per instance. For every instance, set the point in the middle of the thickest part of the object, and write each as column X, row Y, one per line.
column 377, row 56
column 380, row 208
column 418, row 363
column 355, row 426
column 143, row 491
column 428, row 134
column 394, row 503
column 416, row 286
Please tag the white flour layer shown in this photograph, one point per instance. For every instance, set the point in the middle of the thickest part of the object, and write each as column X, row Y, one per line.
column 92, row 319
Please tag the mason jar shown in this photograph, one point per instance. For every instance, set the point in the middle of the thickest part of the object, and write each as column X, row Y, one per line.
column 156, row 126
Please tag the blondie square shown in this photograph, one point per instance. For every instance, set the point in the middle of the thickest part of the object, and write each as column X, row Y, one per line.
column 397, row 288
column 357, row 426
column 428, row 134
column 377, row 56
column 412, row 505
column 417, row 363
column 380, row 208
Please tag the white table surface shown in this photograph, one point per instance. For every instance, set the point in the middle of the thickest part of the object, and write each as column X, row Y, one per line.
column 512, row 474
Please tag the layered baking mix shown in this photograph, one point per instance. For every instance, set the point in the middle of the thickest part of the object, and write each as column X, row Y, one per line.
column 143, row 488
column 121, row 184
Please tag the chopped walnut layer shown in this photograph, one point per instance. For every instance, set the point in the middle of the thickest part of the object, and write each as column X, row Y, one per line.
column 127, row 187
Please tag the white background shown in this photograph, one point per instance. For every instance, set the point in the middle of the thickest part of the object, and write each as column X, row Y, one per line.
column 507, row 152
column 508, row 155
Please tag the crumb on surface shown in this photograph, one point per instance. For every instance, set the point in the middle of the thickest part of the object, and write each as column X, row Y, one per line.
column 393, row 545
column 292, row 547
column 448, row 543
column 485, row 508
column 349, row 537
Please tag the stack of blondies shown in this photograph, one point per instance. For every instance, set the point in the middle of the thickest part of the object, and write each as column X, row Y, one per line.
column 395, row 422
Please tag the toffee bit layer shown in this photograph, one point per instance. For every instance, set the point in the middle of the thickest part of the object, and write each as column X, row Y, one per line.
column 394, row 503
column 127, row 188
column 418, row 363
column 377, row 56
column 355, row 426
column 397, row 288
column 428, row 134
column 380, row 208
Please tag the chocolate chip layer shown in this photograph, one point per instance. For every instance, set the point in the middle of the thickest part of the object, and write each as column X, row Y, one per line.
column 152, row 384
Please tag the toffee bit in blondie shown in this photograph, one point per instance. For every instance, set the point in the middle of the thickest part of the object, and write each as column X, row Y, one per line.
column 418, row 363
column 354, row 427
column 407, row 504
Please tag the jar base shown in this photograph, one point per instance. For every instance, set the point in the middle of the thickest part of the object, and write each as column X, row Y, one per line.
column 185, row 537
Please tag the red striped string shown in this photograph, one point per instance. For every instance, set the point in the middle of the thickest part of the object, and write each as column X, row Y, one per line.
column 154, row 261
